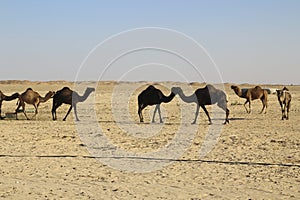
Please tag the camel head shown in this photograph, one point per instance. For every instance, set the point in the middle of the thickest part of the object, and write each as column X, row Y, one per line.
column 89, row 89
column 176, row 90
column 234, row 87
column 50, row 94
column 278, row 92
column 285, row 88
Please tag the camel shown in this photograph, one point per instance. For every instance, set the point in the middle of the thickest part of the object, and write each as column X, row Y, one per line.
column 3, row 97
column 208, row 95
column 284, row 98
column 33, row 98
column 251, row 94
column 67, row 96
column 152, row 96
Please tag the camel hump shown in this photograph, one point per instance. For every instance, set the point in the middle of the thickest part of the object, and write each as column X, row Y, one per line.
column 29, row 89
column 257, row 87
column 151, row 87
column 210, row 87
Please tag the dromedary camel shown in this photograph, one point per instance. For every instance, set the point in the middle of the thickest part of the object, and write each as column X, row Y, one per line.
column 67, row 96
column 33, row 98
column 208, row 95
column 251, row 94
column 284, row 98
column 3, row 97
column 152, row 96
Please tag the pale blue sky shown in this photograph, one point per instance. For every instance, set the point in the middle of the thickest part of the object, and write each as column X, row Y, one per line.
column 251, row 41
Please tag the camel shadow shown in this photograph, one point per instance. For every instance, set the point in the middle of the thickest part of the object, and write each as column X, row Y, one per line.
column 238, row 119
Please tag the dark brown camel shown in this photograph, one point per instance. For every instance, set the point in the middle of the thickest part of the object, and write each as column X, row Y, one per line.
column 251, row 94
column 208, row 95
column 33, row 98
column 3, row 97
column 67, row 96
column 284, row 98
column 152, row 96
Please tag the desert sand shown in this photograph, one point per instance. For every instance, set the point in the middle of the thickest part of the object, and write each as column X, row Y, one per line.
column 256, row 156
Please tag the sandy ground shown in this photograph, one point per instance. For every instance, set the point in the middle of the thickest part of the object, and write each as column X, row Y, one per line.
column 257, row 156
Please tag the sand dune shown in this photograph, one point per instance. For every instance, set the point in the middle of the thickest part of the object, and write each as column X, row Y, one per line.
column 256, row 156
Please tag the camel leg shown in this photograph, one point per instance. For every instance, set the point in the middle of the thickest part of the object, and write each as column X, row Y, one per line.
column 287, row 110
column 18, row 107
column 157, row 108
column 264, row 106
column 68, row 113
column 0, row 110
column 141, row 115
column 207, row 114
column 75, row 111
column 246, row 106
column 54, row 113
column 25, row 113
column 54, row 108
column 281, row 106
column 154, row 113
column 249, row 107
column 36, row 111
column 196, row 114
column 224, row 107
column 283, row 112
column 21, row 104
column 159, row 113
column 141, row 107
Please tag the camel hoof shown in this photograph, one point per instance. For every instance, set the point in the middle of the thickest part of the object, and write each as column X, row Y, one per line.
column 226, row 122
column 193, row 122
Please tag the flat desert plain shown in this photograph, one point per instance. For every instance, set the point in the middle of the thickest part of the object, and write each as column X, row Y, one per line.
column 256, row 156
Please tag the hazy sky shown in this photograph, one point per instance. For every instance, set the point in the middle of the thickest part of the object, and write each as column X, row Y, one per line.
column 251, row 41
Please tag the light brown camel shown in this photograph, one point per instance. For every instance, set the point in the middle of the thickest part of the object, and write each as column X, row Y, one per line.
column 33, row 98
column 208, row 95
column 251, row 94
column 152, row 96
column 67, row 96
column 284, row 99
column 3, row 97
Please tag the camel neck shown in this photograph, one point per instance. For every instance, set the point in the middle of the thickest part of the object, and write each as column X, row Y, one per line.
column 188, row 99
column 239, row 92
column 12, row 97
column 46, row 98
column 167, row 99
column 84, row 96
